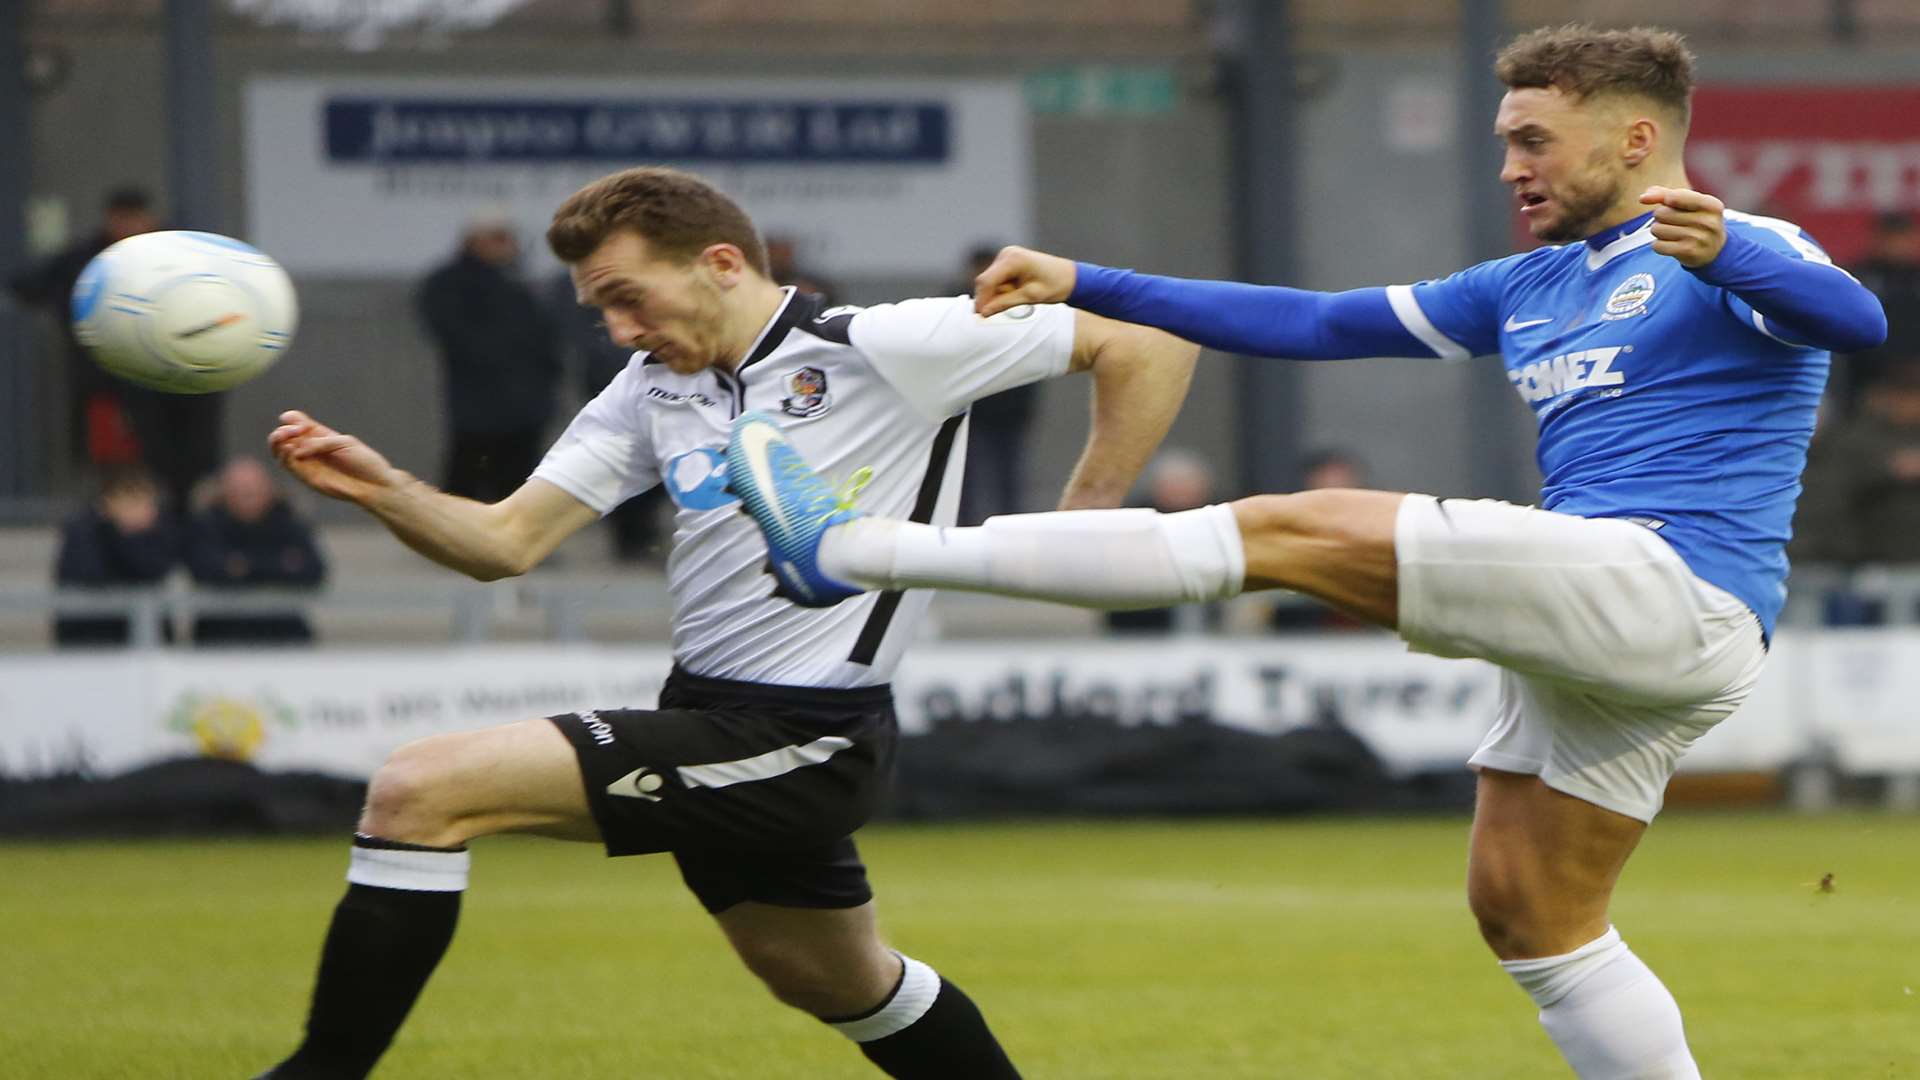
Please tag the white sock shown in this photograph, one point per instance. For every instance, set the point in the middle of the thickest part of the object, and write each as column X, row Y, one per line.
column 1608, row 1012
column 919, row 985
column 410, row 868
column 1092, row 558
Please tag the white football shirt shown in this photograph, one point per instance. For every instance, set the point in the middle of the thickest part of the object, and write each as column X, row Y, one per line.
column 886, row 386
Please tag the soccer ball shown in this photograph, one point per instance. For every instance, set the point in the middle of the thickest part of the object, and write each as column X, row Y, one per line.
column 184, row 312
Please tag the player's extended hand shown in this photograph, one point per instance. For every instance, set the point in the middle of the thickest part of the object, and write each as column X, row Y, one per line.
column 1688, row 225
column 331, row 463
column 1022, row 276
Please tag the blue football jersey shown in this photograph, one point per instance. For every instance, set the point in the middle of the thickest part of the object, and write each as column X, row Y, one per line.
column 1660, row 398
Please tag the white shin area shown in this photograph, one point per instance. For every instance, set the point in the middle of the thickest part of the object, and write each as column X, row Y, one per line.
column 1610, row 1015
column 1111, row 559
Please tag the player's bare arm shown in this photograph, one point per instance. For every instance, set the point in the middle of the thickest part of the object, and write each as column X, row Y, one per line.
column 486, row 541
column 1689, row 226
column 1022, row 276
column 1140, row 380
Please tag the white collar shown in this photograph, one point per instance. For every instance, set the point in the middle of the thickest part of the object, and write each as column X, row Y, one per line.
column 1638, row 238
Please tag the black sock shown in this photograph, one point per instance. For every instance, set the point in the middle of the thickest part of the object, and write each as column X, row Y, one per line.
column 384, row 943
column 949, row 1040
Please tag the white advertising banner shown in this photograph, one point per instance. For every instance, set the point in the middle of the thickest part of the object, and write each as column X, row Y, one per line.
column 374, row 177
column 341, row 711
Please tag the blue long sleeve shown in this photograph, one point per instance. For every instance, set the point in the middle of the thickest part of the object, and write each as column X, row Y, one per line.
column 1807, row 302
column 1255, row 320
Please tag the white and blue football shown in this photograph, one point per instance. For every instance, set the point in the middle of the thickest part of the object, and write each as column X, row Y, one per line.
column 184, row 312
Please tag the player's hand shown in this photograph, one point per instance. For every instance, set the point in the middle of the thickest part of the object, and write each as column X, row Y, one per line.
column 1688, row 225
column 333, row 464
column 1022, row 276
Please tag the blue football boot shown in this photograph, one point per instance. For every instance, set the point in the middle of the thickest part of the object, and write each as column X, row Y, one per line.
column 793, row 505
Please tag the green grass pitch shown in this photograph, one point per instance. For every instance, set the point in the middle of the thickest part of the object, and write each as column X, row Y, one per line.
column 1101, row 951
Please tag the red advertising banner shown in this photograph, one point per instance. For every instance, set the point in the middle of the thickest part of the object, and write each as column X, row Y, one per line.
column 1827, row 158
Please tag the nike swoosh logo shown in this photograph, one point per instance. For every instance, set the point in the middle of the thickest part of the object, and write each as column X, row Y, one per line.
column 754, row 439
column 1513, row 324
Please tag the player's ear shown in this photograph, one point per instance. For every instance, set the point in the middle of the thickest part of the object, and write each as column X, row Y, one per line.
column 726, row 262
column 1642, row 139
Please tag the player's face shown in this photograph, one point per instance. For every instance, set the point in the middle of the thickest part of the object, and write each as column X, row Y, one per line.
column 1560, row 163
column 671, row 309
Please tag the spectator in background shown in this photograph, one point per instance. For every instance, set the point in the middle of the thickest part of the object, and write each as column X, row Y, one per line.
column 783, row 267
column 111, row 421
column 250, row 537
column 1176, row 479
column 123, row 538
column 100, row 432
column 583, row 336
column 1293, row 613
column 997, row 434
column 1861, row 498
column 501, row 360
column 1892, row 270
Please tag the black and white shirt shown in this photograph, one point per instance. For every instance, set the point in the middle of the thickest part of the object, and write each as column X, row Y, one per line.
column 886, row 386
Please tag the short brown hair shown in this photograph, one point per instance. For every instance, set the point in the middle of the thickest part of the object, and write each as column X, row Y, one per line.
column 1582, row 61
column 678, row 214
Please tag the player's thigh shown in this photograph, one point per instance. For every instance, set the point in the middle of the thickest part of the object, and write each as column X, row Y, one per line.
column 518, row 777
column 1542, row 864
column 1599, row 603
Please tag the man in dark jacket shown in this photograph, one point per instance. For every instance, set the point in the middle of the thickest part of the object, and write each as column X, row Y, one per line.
column 123, row 538
column 502, row 363
column 250, row 537
column 1862, row 497
column 177, row 435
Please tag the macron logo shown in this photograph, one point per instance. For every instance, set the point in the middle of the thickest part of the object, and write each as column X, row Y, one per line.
column 1545, row 379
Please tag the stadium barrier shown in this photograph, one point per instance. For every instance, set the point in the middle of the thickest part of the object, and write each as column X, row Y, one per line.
column 1185, row 723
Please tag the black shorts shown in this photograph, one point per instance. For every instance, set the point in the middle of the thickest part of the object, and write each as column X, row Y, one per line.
column 755, row 788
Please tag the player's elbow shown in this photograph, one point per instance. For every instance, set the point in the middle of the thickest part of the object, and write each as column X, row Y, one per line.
column 496, row 570
column 1866, row 331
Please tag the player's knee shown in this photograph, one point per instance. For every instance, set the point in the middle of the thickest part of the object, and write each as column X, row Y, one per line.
column 1513, row 922
column 1325, row 514
column 407, row 799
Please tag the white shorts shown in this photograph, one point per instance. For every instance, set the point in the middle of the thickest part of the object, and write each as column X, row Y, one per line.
column 1616, row 656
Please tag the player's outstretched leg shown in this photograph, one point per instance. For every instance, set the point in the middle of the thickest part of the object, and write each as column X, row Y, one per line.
column 831, row 963
column 1540, row 876
column 408, row 870
column 1335, row 545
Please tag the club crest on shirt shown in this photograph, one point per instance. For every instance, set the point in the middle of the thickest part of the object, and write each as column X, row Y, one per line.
column 1630, row 298
column 806, row 393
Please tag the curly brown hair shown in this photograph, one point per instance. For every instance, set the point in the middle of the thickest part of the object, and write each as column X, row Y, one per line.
column 678, row 214
column 1582, row 61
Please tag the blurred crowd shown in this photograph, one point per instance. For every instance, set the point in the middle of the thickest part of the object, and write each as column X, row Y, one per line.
column 1860, row 510
column 167, row 500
